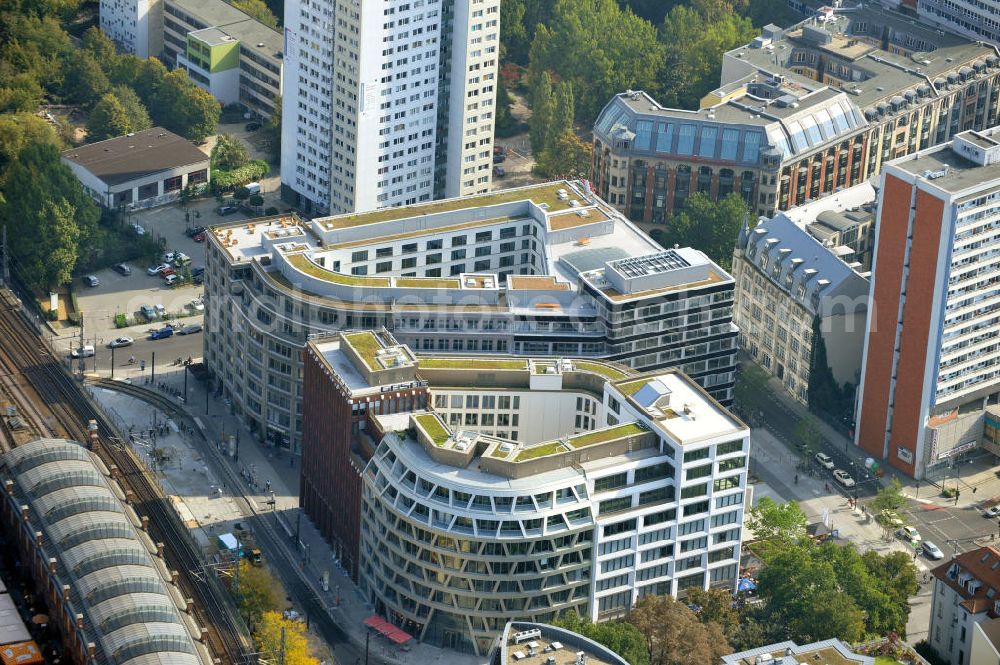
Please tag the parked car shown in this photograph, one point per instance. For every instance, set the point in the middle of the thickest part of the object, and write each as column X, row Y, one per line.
column 201, row 237
column 890, row 519
column 181, row 259
column 253, row 187
column 226, row 210
column 909, row 534
column 167, row 272
column 992, row 512
column 931, row 551
column 499, row 158
column 190, row 329
column 197, row 305
column 122, row 269
column 162, row 333
column 160, row 310
column 156, row 270
column 200, row 270
column 172, row 279
column 843, row 478
column 169, row 257
column 85, row 351
column 139, row 229
column 824, row 460
column 149, row 312
column 198, row 279
column 499, row 171
column 91, row 280
column 194, row 230
column 499, row 150
column 252, row 126
column 119, row 342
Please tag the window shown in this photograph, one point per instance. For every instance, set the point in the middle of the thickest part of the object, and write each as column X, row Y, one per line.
column 619, row 527
column 615, row 505
column 408, row 263
column 730, row 143
column 687, row 528
column 706, row 146
column 694, row 491
column 696, row 508
column 698, row 472
column 484, row 236
column 722, row 484
column 665, row 493
column 611, row 482
column 643, row 134
column 665, row 137
column 459, row 241
column 383, row 266
column 658, row 518
column 383, row 252
column 694, row 544
column 434, row 244
column 751, row 147
column 729, row 447
column 360, row 255
column 695, row 455
column 410, row 248
column 685, row 140
column 654, row 472
column 626, row 561
column 725, row 518
column 729, row 500
column 734, row 463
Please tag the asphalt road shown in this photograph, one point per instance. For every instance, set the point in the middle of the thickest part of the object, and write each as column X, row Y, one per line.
column 167, row 352
column 780, row 421
column 953, row 529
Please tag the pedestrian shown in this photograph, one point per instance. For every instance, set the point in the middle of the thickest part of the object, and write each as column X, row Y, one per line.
column 796, row 479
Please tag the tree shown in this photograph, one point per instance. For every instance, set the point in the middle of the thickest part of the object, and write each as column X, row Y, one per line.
column 620, row 636
column 271, row 132
column 229, row 153
column 18, row 130
column 100, row 46
column 807, row 435
column 890, row 497
column 599, row 47
column 514, row 39
column 673, row 633
column 241, row 194
column 562, row 113
column 258, row 10
column 42, row 195
column 85, row 81
column 715, row 606
column 711, row 226
column 694, row 42
column 256, row 593
column 568, row 157
column 542, row 110
column 182, row 107
column 138, row 116
column 777, row 523
column 108, row 119
column 296, row 646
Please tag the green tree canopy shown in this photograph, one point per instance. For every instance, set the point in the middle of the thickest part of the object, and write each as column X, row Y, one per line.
column 568, row 157
column 85, row 81
column 890, row 497
column 108, row 119
column 673, row 633
column 229, row 153
column 751, row 386
column 711, row 226
column 256, row 593
column 258, row 10
column 695, row 39
column 542, row 110
column 184, row 108
column 18, row 130
column 808, row 436
column 601, row 48
column 780, row 524
column 44, row 199
column 620, row 636
column 715, row 606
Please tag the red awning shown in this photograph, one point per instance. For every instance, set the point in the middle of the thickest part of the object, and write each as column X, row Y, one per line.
column 387, row 630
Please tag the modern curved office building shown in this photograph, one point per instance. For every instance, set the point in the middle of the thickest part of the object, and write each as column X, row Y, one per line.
column 466, row 492
column 545, row 270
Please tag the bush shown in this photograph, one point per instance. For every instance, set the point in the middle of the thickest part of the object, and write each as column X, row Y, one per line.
column 256, row 200
column 271, row 211
column 948, row 493
column 241, row 194
column 121, row 321
column 224, row 181
column 52, row 314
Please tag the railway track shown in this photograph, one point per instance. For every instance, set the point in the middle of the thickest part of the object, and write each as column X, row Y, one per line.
column 22, row 351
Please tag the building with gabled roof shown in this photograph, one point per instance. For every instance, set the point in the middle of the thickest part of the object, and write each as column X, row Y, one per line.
column 787, row 281
column 966, row 593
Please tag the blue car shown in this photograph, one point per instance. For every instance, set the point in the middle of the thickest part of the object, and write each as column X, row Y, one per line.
column 161, row 333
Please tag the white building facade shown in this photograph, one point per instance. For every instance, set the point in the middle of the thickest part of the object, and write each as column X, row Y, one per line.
column 136, row 26
column 464, row 529
column 387, row 103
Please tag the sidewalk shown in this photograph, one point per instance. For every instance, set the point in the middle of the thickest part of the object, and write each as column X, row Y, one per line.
column 344, row 601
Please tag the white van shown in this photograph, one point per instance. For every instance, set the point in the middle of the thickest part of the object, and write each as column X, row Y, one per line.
column 253, row 188
column 171, row 280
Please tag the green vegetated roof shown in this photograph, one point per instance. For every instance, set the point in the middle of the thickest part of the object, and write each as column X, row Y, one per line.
column 366, row 344
column 539, row 194
column 608, row 372
column 632, row 387
column 427, row 283
column 472, row 363
column 434, row 428
column 313, row 269
column 580, row 441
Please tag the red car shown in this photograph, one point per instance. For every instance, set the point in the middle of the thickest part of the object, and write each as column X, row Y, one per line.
column 200, row 237
column 166, row 273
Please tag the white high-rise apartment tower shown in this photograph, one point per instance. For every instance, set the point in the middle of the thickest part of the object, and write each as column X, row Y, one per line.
column 387, row 102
